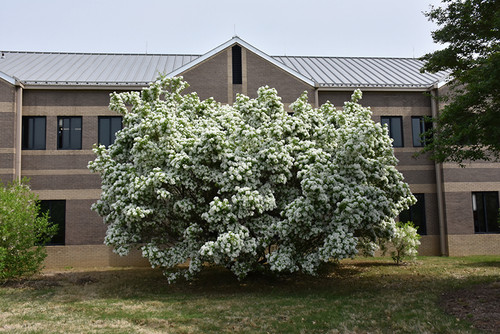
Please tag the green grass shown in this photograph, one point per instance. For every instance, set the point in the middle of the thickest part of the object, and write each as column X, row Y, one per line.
column 358, row 296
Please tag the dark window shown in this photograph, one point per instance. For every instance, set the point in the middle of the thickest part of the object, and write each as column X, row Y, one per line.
column 69, row 134
column 108, row 126
column 419, row 126
column 237, row 65
column 485, row 210
column 33, row 133
column 416, row 214
column 395, row 126
column 57, row 215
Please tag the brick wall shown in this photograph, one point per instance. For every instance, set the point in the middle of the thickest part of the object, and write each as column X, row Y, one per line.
column 261, row 73
column 88, row 256
column 209, row 78
column 58, row 174
column 474, row 244
column 62, row 174
column 7, row 131
column 429, row 246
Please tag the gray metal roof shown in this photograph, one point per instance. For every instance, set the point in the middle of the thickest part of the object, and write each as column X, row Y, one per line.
column 98, row 69
column 44, row 68
column 363, row 72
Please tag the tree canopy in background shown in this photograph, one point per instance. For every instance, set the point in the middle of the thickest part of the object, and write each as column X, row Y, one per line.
column 468, row 127
column 248, row 186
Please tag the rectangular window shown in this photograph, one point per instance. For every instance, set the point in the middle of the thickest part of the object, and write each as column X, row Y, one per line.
column 395, row 126
column 485, row 211
column 418, row 127
column 416, row 214
column 69, row 134
column 57, row 215
column 237, row 65
column 33, row 132
column 108, row 126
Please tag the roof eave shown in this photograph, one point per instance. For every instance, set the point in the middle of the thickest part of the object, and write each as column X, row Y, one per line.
column 375, row 88
column 86, row 85
column 9, row 79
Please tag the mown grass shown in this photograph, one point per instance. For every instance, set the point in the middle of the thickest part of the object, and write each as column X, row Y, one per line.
column 358, row 296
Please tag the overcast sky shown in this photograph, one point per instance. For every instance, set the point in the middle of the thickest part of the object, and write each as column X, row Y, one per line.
column 375, row 28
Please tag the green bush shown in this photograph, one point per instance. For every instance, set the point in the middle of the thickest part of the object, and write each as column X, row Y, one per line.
column 23, row 231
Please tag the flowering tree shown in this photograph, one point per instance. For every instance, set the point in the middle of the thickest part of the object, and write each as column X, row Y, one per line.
column 405, row 242
column 248, row 186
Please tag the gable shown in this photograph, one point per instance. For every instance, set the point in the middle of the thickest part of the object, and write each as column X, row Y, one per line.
column 212, row 75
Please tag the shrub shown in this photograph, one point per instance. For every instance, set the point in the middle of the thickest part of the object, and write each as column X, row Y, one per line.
column 405, row 242
column 248, row 186
column 22, row 231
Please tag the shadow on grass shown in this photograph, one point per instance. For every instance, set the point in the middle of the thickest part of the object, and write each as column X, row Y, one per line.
column 211, row 280
column 377, row 264
column 492, row 264
column 357, row 295
column 221, row 281
column 346, row 277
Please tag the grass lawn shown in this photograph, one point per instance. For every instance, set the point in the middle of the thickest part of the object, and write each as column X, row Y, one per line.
column 358, row 296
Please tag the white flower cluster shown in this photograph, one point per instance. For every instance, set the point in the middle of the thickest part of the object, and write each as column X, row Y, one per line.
column 247, row 186
column 405, row 241
column 229, row 246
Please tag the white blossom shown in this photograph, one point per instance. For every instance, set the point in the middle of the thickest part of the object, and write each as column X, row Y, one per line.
column 246, row 186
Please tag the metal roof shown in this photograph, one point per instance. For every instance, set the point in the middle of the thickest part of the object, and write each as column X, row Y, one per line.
column 103, row 69
column 51, row 68
column 363, row 72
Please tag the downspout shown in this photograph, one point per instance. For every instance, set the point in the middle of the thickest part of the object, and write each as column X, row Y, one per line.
column 316, row 97
column 18, row 131
column 438, row 167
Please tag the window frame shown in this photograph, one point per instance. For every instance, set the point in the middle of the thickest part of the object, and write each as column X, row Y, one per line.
column 423, row 127
column 111, row 135
column 60, row 238
column 389, row 123
column 420, row 205
column 476, row 214
column 60, row 133
column 237, row 62
column 27, row 131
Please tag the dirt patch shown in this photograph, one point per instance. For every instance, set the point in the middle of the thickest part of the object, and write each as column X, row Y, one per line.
column 479, row 304
column 85, row 280
column 36, row 283
column 44, row 281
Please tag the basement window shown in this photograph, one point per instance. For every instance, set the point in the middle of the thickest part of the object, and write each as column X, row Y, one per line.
column 416, row 214
column 485, row 212
column 57, row 215
column 237, row 65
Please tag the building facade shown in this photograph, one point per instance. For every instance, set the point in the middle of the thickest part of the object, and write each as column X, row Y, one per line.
column 54, row 108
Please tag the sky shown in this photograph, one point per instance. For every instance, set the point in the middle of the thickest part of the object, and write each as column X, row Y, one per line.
column 353, row 28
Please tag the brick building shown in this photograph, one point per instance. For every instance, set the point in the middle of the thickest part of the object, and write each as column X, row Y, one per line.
column 54, row 107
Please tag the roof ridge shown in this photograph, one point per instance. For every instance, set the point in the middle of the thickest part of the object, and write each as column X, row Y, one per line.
column 188, row 54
